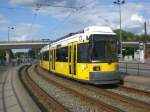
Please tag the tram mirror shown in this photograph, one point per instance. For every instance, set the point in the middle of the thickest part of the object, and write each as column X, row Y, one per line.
column 67, row 58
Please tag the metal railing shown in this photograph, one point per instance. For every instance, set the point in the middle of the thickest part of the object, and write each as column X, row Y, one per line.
column 135, row 68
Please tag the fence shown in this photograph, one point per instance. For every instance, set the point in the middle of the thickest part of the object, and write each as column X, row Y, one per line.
column 135, row 68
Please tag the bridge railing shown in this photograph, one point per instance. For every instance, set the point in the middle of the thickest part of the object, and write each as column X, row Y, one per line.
column 135, row 68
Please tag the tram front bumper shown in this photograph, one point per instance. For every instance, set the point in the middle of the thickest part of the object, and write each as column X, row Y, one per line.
column 105, row 77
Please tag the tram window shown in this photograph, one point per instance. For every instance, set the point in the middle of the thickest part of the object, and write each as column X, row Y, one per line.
column 46, row 55
column 62, row 54
column 83, row 53
column 103, row 50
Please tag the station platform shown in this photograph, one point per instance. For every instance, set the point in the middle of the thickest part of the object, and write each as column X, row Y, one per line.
column 138, row 81
column 14, row 98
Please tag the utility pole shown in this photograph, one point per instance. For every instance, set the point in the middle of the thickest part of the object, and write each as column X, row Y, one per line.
column 119, row 3
column 145, row 29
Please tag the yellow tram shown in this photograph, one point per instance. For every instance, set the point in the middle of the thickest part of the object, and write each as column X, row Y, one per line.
column 89, row 55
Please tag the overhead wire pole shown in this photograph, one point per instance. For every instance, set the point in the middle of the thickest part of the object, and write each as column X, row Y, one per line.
column 145, row 29
column 119, row 3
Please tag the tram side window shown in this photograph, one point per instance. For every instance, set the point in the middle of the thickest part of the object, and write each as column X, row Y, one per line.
column 46, row 56
column 83, row 53
column 62, row 54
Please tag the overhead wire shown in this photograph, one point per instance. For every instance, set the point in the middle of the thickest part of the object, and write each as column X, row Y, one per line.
column 12, row 8
column 63, row 22
column 104, row 19
column 37, row 8
column 45, row 4
column 70, row 15
column 32, row 25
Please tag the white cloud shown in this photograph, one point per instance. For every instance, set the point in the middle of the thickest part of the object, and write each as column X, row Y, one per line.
column 33, row 3
column 3, row 19
column 23, row 2
column 133, row 17
column 24, row 31
column 3, row 25
column 21, row 31
column 137, row 17
column 94, row 14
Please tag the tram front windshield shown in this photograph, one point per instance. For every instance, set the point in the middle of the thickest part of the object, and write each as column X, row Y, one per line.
column 103, row 48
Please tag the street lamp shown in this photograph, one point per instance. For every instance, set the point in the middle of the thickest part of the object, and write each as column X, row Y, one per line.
column 9, row 28
column 145, row 40
column 119, row 3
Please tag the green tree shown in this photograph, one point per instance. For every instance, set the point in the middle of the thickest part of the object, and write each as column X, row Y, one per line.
column 2, row 54
column 129, row 36
column 33, row 53
column 19, row 54
column 126, row 36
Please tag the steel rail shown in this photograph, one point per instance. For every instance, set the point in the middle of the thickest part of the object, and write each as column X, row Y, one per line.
column 43, row 98
column 115, row 96
column 101, row 105
column 134, row 90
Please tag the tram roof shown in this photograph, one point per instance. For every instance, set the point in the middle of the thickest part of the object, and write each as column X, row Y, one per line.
column 90, row 29
column 86, row 31
column 45, row 48
column 98, row 29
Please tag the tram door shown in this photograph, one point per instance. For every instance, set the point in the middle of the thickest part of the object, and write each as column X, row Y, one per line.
column 53, row 53
column 72, row 51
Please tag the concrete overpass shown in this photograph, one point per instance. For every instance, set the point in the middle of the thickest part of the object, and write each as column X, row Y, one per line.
column 134, row 44
column 22, row 44
column 8, row 45
column 41, row 43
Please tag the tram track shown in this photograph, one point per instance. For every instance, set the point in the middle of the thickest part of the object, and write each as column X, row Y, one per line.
column 133, row 90
column 42, row 99
column 115, row 96
column 84, row 98
column 127, row 100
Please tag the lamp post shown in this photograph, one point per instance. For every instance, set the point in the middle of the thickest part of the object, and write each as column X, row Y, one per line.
column 119, row 3
column 145, row 29
column 9, row 28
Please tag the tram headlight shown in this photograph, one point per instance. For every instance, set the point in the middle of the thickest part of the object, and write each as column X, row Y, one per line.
column 96, row 68
column 117, row 67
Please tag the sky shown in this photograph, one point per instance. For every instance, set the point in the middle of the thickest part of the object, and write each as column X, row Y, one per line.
column 42, row 19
